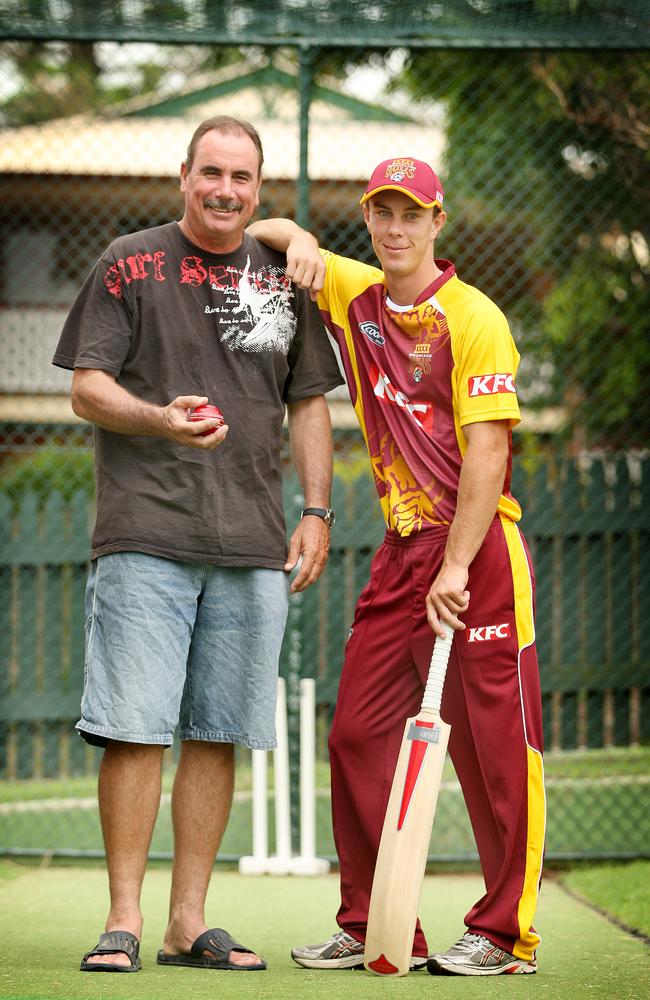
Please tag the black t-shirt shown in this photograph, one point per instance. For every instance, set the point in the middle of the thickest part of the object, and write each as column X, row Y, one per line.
column 167, row 318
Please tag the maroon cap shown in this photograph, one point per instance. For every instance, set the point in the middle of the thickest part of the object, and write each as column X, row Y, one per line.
column 412, row 177
column 207, row 412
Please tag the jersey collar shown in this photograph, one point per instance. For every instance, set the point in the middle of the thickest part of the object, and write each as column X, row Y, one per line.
column 448, row 271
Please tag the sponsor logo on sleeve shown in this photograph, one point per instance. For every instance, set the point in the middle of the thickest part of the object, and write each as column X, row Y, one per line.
column 487, row 633
column 490, row 385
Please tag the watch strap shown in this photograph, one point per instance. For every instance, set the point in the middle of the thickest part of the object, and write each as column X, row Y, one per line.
column 325, row 513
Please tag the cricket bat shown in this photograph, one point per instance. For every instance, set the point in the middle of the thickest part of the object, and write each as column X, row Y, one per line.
column 402, row 856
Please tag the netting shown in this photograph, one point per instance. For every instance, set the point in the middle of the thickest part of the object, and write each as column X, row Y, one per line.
column 517, row 23
column 543, row 153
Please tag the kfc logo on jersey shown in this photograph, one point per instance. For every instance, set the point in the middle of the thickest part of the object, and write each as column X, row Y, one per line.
column 486, row 633
column 385, row 391
column 490, row 385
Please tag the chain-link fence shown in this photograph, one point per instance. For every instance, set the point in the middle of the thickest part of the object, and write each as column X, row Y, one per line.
column 543, row 152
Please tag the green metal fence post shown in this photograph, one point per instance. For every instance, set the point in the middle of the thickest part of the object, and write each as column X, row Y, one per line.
column 305, row 84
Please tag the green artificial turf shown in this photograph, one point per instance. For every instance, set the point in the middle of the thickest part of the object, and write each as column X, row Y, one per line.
column 50, row 916
column 622, row 890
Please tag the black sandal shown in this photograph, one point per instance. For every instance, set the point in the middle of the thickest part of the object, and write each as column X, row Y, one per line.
column 219, row 944
column 114, row 943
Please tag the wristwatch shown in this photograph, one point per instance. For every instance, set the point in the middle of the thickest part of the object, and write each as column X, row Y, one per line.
column 326, row 513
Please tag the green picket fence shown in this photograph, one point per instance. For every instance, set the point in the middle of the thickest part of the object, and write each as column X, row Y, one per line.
column 587, row 526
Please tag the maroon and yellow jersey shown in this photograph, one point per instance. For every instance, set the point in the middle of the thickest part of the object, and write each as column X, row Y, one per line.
column 417, row 375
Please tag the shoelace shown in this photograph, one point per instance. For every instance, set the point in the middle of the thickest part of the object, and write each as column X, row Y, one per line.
column 342, row 937
column 469, row 942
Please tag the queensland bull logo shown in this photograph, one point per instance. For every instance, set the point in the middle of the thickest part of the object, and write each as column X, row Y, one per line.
column 399, row 169
column 420, row 362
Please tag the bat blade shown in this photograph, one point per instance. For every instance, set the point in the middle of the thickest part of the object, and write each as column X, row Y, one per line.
column 403, row 849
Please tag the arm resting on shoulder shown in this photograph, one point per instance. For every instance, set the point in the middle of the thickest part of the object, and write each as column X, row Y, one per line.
column 310, row 432
column 305, row 265
column 479, row 488
column 277, row 233
column 98, row 398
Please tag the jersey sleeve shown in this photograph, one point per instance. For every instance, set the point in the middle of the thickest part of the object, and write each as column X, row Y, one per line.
column 486, row 367
column 97, row 332
column 345, row 279
column 313, row 368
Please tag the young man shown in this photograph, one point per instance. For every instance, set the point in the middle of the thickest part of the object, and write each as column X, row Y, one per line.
column 188, row 592
column 430, row 364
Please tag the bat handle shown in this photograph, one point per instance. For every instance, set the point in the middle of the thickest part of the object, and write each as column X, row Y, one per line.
column 436, row 679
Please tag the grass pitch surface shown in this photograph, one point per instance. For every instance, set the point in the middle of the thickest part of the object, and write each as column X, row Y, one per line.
column 622, row 890
column 50, row 916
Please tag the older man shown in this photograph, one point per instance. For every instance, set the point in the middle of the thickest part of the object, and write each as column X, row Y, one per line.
column 188, row 591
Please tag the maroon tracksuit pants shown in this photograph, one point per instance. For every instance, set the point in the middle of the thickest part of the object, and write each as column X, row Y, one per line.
column 492, row 701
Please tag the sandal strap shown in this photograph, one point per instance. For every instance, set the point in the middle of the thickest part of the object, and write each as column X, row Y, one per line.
column 219, row 942
column 112, row 942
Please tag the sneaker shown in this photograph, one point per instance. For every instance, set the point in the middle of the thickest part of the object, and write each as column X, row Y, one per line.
column 475, row 955
column 341, row 951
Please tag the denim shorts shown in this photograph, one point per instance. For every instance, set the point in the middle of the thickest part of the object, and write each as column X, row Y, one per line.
column 177, row 644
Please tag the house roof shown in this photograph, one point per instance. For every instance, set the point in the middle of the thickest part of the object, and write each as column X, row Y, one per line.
column 272, row 90
column 148, row 138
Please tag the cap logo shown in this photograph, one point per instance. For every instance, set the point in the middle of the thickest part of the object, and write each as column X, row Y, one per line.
column 399, row 169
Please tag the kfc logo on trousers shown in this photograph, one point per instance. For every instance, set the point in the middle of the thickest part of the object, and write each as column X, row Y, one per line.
column 487, row 632
column 489, row 385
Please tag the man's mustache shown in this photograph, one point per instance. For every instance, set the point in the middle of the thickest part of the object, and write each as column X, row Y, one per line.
column 222, row 204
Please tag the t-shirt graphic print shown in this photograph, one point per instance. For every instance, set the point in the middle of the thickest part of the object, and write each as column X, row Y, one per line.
column 261, row 305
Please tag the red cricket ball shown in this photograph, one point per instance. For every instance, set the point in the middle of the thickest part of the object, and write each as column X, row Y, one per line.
column 206, row 412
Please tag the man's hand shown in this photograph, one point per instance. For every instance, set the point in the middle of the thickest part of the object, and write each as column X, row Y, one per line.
column 447, row 598
column 305, row 265
column 178, row 427
column 97, row 397
column 311, row 541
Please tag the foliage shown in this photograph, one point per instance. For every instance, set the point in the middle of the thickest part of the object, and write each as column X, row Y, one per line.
column 547, row 160
column 56, row 79
column 63, row 470
column 598, row 329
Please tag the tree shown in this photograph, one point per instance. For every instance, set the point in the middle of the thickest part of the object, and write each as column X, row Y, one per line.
column 57, row 79
column 546, row 165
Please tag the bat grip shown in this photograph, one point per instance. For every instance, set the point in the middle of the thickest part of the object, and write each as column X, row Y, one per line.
column 435, row 681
